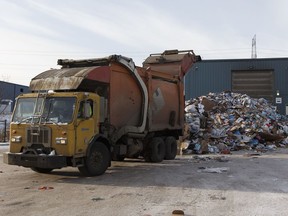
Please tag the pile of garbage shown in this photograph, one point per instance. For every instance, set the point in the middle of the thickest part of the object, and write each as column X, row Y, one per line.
column 227, row 121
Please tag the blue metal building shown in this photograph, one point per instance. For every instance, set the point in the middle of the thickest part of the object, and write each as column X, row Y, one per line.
column 266, row 77
column 8, row 93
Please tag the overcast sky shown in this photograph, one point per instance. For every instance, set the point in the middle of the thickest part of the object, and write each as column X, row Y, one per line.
column 35, row 33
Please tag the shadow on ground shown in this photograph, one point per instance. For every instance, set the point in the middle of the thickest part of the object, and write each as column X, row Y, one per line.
column 254, row 173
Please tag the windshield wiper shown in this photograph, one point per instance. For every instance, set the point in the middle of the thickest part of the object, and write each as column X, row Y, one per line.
column 50, row 122
column 25, row 120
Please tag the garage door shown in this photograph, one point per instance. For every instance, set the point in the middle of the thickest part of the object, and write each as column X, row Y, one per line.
column 257, row 84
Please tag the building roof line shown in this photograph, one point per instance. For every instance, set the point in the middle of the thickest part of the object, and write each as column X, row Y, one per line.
column 245, row 59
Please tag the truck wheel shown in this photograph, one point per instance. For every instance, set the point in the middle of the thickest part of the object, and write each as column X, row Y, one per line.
column 157, row 147
column 171, row 148
column 97, row 160
column 41, row 170
column 147, row 156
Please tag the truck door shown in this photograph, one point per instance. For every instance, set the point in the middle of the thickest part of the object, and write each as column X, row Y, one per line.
column 85, row 125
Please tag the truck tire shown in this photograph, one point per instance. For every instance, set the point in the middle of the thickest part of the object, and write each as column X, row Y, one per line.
column 157, row 147
column 147, row 156
column 41, row 170
column 97, row 161
column 171, row 148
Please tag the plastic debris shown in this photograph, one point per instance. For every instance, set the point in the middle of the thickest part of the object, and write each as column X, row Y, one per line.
column 219, row 123
column 97, row 199
column 52, row 153
column 198, row 159
column 215, row 197
column 221, row 159
column 43, row 188
column 213, row 170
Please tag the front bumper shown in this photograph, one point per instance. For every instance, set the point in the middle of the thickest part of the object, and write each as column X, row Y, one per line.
column 39, row 161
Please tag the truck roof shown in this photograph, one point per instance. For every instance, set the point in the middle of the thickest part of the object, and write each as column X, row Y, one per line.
column 72, row 73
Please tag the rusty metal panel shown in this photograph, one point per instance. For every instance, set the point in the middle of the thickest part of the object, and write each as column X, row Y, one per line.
column 100, row 74
column 173, row 62
column 165, row 105
column 125, row 98
column 67, row 78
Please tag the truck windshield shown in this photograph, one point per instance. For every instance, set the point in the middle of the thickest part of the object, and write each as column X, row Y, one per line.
column 49, row 110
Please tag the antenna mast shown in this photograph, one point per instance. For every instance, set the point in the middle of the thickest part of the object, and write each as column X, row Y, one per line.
column 254, row 53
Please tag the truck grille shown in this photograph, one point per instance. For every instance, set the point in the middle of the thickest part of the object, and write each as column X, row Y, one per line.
column 39, row 135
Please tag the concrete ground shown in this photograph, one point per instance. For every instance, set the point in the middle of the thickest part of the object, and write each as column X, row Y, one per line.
column 243, row 183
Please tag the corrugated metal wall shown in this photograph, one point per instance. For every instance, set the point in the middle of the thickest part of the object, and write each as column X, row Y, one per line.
column 216, row 76
column 11, row 91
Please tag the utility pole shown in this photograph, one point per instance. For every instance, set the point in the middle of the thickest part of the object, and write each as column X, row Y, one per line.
column 254, row 53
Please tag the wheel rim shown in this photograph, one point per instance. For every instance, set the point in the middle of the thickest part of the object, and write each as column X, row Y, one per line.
column 96, row 159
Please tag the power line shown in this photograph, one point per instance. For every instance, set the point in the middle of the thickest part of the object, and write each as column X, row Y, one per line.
column 130, row 53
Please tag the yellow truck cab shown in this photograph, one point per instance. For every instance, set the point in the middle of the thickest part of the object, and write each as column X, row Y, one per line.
column 52, row 130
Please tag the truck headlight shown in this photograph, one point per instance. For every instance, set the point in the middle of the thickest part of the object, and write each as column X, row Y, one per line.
column 61, row 140
column 16, row 139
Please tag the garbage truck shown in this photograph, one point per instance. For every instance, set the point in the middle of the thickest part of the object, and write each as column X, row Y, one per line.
column 93, row 111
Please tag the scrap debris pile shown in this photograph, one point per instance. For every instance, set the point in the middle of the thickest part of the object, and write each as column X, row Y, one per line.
column 227, row 121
